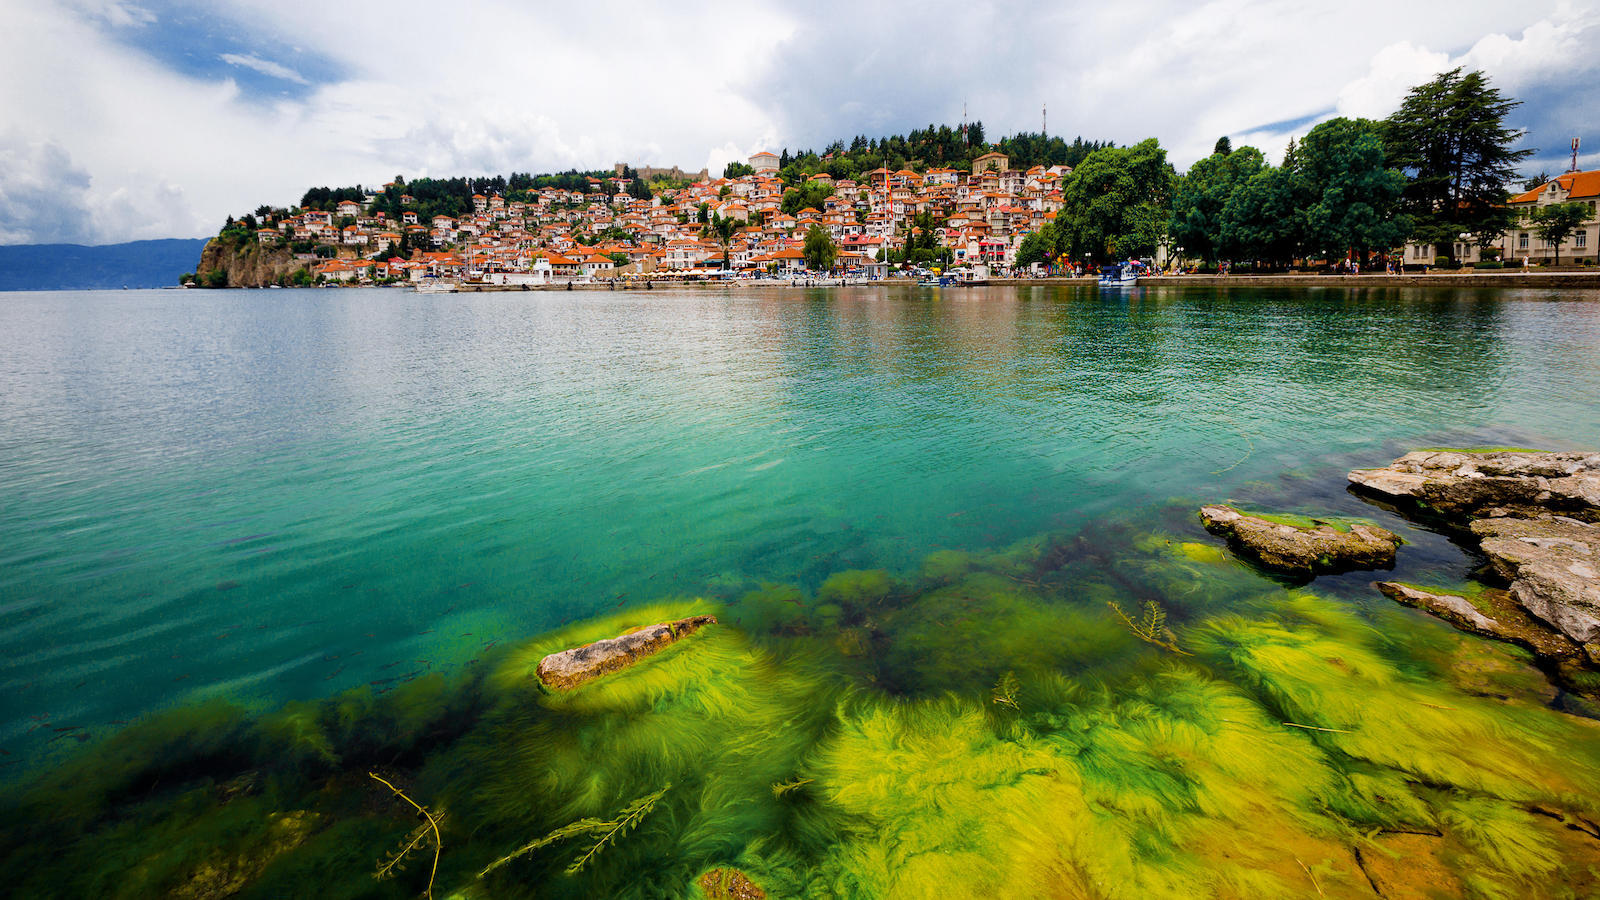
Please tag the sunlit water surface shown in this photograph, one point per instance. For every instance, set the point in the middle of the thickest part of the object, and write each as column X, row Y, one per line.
column 267, row 495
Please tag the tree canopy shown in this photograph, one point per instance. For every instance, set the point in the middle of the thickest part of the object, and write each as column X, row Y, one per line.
column 1116, row 203
column 1450, row 138
column 820, row 251
column 1354, row 197
column 1201, row 194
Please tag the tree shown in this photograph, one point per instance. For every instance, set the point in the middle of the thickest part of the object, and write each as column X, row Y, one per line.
column 1556, row 222
column 1536, row 182
column 637, row 188
column 737, row 170
column 819, row 249
column 723, row 229
column 1038, row 247
column 1353, row 197
column 1200, row 195
column 1116, row 202
column 1223, row 147
column 1449, row 136
column 975, row 134
column 811, row 194
column 1264, row 218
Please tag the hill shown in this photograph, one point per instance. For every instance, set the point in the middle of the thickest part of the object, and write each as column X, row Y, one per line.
column 59, row 267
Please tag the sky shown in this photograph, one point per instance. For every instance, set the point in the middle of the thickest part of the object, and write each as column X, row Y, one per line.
column 127, row 120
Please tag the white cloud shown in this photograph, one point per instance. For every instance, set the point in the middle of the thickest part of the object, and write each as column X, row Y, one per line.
column 264, row 66
column 1395, row 70
column 562, row 86
column 42, row 194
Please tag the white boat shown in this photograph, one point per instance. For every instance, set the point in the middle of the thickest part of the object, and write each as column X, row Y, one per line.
column 1119, row 275
column 435, row 286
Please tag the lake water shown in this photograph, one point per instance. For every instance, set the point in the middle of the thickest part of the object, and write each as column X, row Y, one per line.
column 278, row 494
column 311, row 541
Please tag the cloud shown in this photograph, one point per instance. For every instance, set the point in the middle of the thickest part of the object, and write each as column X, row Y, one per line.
column 264, row 66
column 42, row 194
column 180, row 113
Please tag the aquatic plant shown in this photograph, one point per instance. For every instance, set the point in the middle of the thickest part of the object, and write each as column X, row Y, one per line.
column 387, row 867
column 605, row 833
column 1151, row 627
column 1006, row 690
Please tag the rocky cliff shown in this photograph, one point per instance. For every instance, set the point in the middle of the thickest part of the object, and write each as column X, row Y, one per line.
column 242, row 262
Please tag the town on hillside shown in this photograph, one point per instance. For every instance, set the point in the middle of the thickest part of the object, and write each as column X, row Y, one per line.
column 1351, row 195
column 712, row 226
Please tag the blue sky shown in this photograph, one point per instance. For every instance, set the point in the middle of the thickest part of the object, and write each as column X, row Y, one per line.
column 130, row 119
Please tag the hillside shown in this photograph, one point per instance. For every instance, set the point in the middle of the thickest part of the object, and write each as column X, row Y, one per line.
column 59, row 267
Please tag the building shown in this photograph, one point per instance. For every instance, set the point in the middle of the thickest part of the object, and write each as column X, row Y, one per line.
column 1522, row 241
column 764, row 163
column 993, row 161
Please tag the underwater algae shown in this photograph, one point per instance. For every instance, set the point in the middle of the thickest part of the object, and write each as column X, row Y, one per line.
column 985, row 725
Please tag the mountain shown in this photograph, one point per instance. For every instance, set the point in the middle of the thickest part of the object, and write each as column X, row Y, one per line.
column 58, row 267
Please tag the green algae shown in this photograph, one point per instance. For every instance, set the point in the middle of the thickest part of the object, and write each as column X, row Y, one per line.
column 850, row 743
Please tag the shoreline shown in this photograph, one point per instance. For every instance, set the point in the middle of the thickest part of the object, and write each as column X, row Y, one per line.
column 1563, row 280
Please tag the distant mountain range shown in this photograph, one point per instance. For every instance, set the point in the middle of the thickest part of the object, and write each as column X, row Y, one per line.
column 61, row 267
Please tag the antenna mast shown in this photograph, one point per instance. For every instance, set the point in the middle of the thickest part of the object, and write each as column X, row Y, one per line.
column 1574, row 155
column 1044, row 119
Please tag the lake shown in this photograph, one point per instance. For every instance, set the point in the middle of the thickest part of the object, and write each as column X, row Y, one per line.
column 272, row 496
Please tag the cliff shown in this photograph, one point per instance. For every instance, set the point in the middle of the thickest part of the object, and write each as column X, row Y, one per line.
column 236, row 261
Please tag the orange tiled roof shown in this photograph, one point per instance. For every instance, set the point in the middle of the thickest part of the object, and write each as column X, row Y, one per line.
column 1576, row 184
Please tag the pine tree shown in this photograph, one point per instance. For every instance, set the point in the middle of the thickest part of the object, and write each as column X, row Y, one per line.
column 1449, row 136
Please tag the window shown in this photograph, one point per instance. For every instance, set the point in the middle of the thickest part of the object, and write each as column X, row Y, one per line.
column 1581, row 241
column 1522, row 241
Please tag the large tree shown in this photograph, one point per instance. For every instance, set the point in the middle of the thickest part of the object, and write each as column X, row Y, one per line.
column 819, row 249
column 1354, row 197
column 1200, row 195
column 1116, row 203
column 1265, row 218
column 1449, row 137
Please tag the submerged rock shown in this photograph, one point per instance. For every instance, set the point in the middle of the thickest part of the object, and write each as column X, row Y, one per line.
column 1310, row 549
column 566, row 670
column 1553, row 564
column 1462, row 485
column 1489, row 612
column 729, row 884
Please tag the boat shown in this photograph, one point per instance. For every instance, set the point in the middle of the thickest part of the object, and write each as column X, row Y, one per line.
column 1119, row 275
column 436, row 286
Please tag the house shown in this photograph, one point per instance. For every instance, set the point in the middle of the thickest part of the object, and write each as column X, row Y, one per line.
column 764, row 163
column 1522, row 241
column 993, row 161
column 349, row 208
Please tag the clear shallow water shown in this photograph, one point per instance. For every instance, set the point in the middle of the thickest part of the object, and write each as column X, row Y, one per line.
column 278, row 494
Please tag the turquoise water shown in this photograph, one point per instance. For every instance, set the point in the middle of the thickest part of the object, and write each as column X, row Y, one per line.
column 267, row 495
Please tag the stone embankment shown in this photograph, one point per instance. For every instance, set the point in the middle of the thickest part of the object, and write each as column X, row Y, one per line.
column 1313, row 548
column 1536, row 517
column 568, row 669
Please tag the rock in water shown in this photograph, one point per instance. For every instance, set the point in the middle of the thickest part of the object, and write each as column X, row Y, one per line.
column 1495, row 615
column 1461, row 485
column 1303, row 550
column 729, row 884
column 566, row 670
column 1553, row 564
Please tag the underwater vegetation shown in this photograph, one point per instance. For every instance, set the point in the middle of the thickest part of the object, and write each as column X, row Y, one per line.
column 1127, row 714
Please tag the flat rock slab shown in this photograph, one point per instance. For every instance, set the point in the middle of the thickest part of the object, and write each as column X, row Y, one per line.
column 566, row 670
column 1495, row 614
column 1553, row 564
column 1302, row 550
column 1461, row 485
